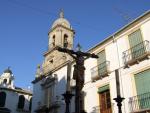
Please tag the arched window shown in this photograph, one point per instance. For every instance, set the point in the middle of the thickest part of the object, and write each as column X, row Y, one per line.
column 5, row 81
column 65, row 41
column 53, row 40
column 30, row 104
column 2, row 99
column 21, row 102
column 9, row 81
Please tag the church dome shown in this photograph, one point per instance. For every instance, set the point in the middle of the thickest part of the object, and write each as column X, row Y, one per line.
column 61, row 21
column 8, row 71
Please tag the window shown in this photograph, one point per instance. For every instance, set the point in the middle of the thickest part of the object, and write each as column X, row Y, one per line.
column 53, row 43
column 21, row 102
column 2, row 99
column 101, row 61
column 65, row 41
column 9, row 81
column 30, row 104
column 5, row 81
column 142, row 80
column 136, row 45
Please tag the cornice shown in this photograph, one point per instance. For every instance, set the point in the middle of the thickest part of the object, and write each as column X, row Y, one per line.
column 16, row 90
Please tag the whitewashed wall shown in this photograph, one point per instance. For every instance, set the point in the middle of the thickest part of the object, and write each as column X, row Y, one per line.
column 113, row 50
column 12, row 101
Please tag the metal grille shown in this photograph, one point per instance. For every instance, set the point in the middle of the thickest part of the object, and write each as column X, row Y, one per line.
column 139, row 102
column 136, row 51
column 100, row 70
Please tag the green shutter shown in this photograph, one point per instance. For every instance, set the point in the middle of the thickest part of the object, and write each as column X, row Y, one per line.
column 101, row 61
column 102, row 57
column 143, row 88
column 135, row 38
column 142, row 81
column 136, row 45
column 102, row 89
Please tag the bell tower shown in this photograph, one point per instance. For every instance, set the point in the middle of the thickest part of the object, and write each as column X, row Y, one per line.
column 61, row 34
column 7, row 78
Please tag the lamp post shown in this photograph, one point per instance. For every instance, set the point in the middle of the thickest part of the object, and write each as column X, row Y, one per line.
column 119, row 99
column 67, row 95
column 78, row 73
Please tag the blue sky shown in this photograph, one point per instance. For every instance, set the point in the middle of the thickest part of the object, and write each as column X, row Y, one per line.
column 24, row 25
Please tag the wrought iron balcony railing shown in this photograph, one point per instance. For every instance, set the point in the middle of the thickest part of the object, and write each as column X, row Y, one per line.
column 96, row 109
column 100, row 71
column 137, row 53
column 140, row 103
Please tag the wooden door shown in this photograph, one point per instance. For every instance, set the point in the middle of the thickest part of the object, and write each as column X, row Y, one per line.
column 105, row 102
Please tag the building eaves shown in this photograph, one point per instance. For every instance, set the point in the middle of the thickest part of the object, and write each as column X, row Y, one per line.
column 17, row 90
column 109, row 38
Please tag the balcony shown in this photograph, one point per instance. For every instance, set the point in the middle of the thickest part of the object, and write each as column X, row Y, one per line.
column 140, row 103
column 95, row 109
column 136, row 54
column 100, row 71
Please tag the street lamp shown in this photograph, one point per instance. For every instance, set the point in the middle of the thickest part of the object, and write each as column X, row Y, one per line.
column 119, row 99
column 68, row 95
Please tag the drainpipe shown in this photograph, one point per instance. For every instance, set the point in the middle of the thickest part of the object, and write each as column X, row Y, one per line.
column 119, row 99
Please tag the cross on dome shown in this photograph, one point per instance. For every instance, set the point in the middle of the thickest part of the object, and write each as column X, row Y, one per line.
column 61, row 14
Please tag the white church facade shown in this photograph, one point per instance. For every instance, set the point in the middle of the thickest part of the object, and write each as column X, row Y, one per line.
column 127, row 50
column 13, row 99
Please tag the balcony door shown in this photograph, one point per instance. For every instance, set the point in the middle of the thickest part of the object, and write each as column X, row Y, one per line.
column 142, row 81
column 101, row 61
column 105, row 102
column 136, row 44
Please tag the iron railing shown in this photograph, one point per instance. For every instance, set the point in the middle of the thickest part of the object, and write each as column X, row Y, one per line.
column 139, row 102
column 100, row 70
column 136, row 51
column 95, row 109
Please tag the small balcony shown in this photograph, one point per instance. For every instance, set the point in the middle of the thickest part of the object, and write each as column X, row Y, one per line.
column 95, row 109
column 140, row 103
column 100, row 71
column 136, row 54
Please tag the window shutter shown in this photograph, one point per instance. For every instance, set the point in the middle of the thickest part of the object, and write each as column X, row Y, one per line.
column 136, row 45
column 102, row 89
column 142, row 82
column 102, row 57
column 135, row 38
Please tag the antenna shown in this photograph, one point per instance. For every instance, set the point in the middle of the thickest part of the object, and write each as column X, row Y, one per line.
column 124, row 15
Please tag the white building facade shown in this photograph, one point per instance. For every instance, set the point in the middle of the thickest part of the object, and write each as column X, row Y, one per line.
column 13, row 99
column 127, row 50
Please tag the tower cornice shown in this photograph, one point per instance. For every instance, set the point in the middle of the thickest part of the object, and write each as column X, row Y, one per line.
column 57, row 26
